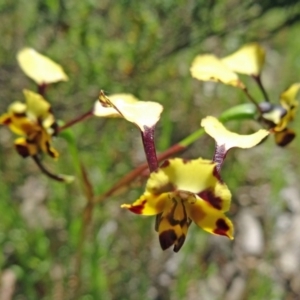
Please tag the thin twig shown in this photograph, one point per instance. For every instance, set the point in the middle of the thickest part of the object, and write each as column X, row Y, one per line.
column 76, row 120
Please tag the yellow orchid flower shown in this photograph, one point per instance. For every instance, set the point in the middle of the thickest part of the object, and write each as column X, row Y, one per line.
column 182, row 191
column 279, row 116
column 34, row 121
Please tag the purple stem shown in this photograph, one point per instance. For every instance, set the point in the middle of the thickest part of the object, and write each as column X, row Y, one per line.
column 75, row 121
column 219, row 156
column 149, row 147
column 42, row 89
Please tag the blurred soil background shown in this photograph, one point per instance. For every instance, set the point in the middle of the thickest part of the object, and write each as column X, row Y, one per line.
column 146, row 48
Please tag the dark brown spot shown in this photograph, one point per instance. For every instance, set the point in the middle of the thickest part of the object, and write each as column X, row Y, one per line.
column 222, row 227
column 20, row 115
column 157, row 221
column 209, row 196
column 217, row 174
column 169, row 187
column 167, row 239
column 22, row 150
column 7, row 121
column 185, row 161
column 138, row 209
column 285, row 137
column 165, row 164
column 170, row 216
column 179, row 243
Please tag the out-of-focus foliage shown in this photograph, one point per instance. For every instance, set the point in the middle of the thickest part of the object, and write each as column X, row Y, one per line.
column 145, row 48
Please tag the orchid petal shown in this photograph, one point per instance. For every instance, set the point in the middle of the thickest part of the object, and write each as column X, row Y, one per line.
column 228, row 139
column 210, row 219
column 247, row 60
column 173, row 225
column 40, row 68
column 289, row 102
column 148, row 204
column 142, row 113
column 208, row 67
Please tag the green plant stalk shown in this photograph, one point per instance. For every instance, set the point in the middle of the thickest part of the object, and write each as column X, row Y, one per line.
column 87, row 212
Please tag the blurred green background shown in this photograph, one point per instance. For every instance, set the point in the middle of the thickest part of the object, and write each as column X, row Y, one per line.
column 146, row 48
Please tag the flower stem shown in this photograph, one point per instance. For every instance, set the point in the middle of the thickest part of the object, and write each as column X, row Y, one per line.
column 125, row 180
column 257, row 79
column 245, row 90
column 75, row 121
column 42, row 89
column 149, row 147
column 219, row 157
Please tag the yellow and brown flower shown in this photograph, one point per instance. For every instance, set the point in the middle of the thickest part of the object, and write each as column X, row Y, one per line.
column 182, row 191
column 278, row 116
column 34, row 122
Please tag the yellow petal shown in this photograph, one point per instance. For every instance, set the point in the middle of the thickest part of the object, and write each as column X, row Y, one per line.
column 141, row 113
column 40, row 68
column 247, row 60
column 222, row 136
column 37, row 106
column 209, row 68
column 18, row 121
column 210, row 219
column 148, row 204
column 44, row 142
column 288, row 100
column 194, row 176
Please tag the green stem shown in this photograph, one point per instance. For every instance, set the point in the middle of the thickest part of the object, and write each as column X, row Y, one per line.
column 257, row 79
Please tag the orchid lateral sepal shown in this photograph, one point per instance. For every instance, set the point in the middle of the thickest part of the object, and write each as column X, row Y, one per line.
column 57, row 177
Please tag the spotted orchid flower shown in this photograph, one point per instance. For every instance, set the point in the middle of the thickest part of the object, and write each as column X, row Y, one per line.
column 278, row 116
column 34, row 122
column 184, row 191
